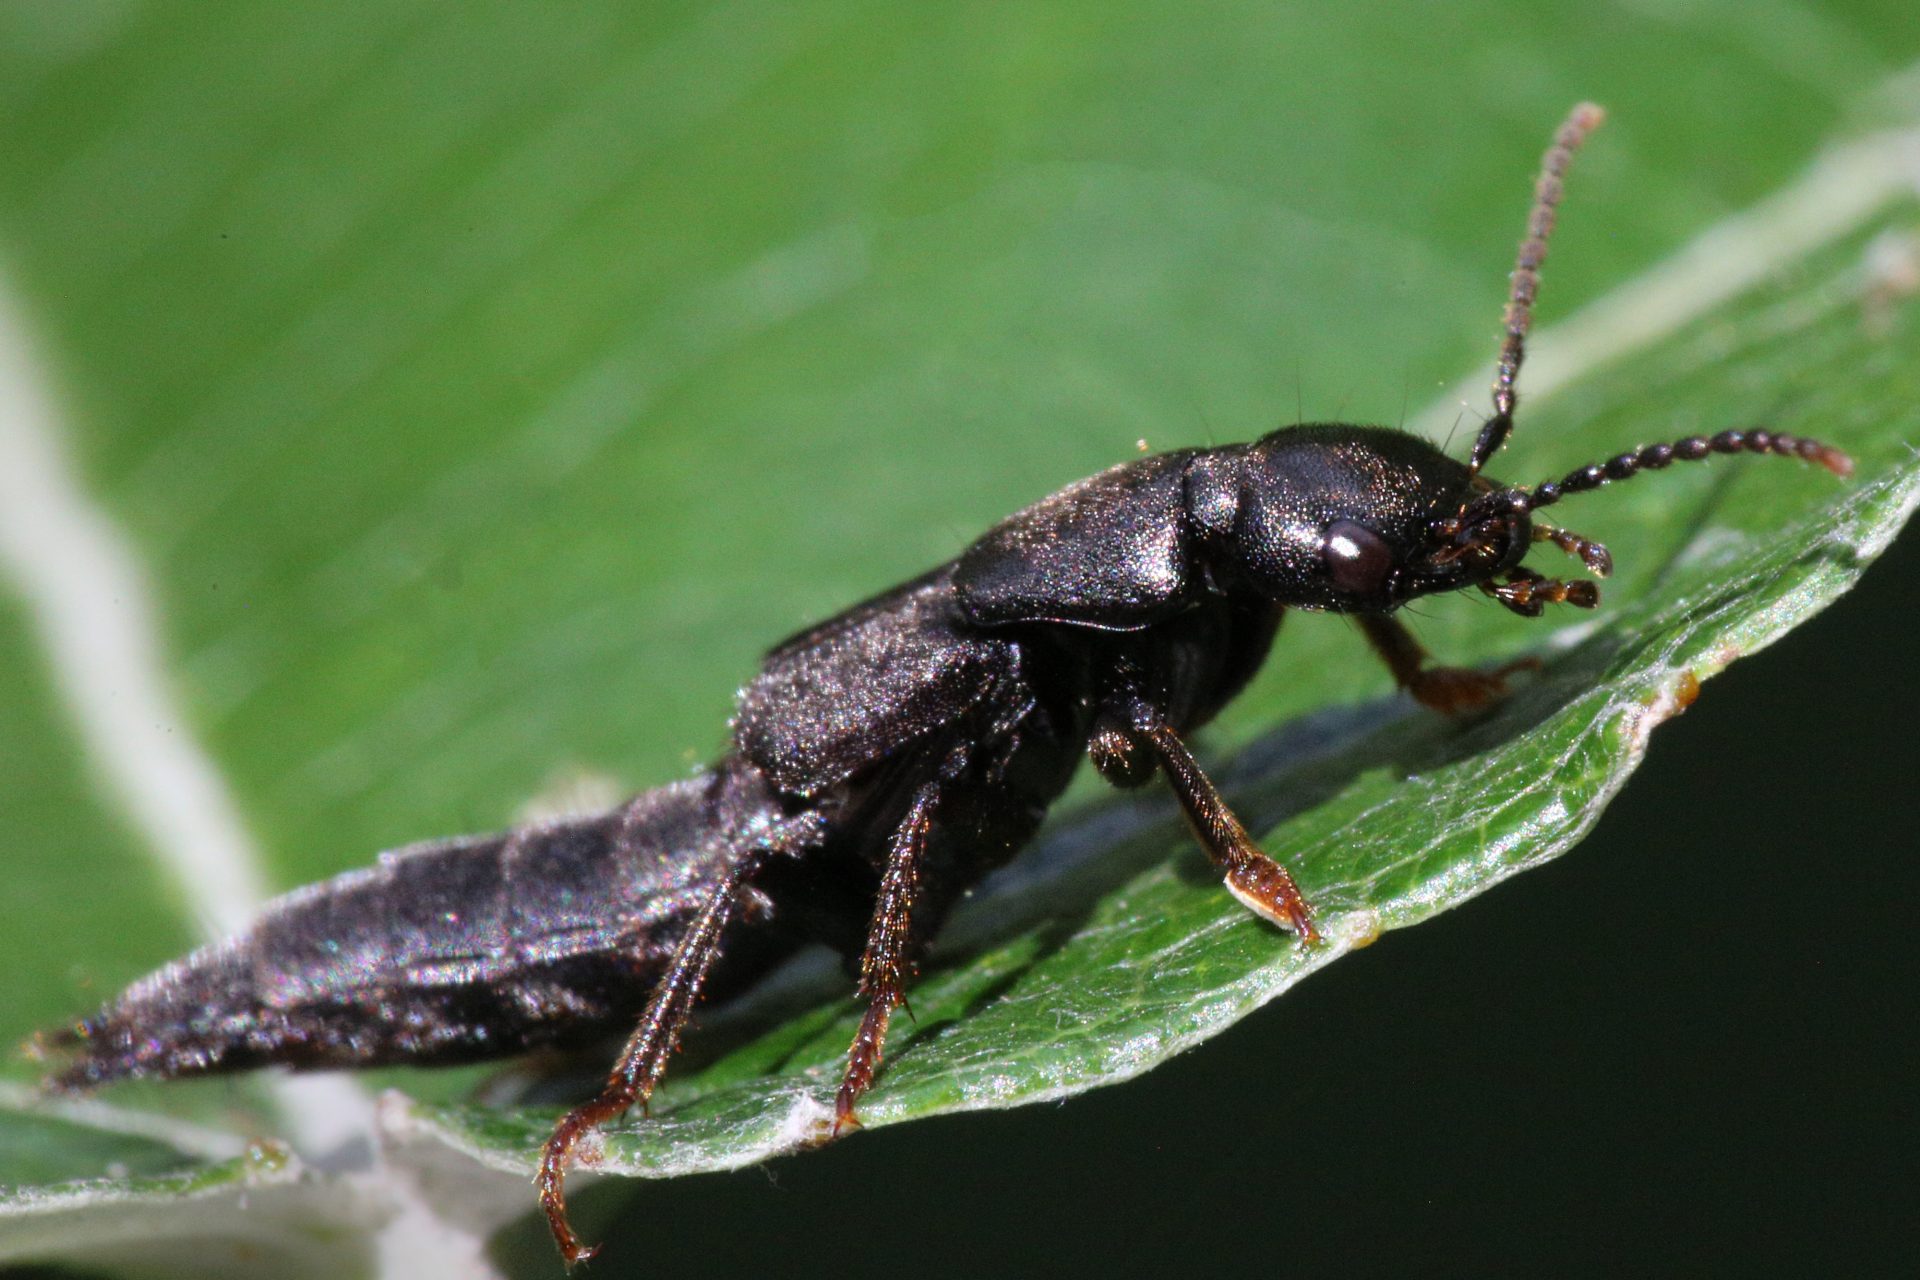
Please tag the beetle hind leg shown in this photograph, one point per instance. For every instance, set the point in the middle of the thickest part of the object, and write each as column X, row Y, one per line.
column 885, row 964
column 644, row 1060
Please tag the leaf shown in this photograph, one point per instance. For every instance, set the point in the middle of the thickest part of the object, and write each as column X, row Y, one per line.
column 135, row 1204
column 479, row 397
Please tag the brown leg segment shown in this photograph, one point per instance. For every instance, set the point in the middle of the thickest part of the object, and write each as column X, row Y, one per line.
column 1528, row 593
column 644, row 1060
column 1446, row 689
column 883, row 969
column 1594, row 555
column 1259, row 882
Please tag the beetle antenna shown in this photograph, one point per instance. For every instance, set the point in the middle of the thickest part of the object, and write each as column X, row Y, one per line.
column 1525, row 286
column 1656, row 457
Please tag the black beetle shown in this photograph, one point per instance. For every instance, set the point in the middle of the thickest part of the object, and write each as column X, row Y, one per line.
column 887, row 759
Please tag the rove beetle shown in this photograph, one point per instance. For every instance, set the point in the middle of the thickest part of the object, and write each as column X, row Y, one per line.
column 884, row 761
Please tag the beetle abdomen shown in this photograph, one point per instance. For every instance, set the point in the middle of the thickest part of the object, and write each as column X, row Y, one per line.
column 443, row 952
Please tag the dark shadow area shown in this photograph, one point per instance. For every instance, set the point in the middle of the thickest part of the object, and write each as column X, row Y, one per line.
column 1684, row 1049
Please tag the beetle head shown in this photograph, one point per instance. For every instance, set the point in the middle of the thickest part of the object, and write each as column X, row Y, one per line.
column 1362, row 519
column 1353, row 519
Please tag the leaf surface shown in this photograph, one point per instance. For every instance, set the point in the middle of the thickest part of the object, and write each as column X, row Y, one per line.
column 477, row 398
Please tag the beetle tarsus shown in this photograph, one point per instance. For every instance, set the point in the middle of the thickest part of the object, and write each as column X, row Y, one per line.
column 863, row 1060
column 1458, row 690
column 1449, row 690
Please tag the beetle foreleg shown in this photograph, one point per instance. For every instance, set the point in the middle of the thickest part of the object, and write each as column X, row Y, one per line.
column 884, row 966
column 644, row 1060
column 1260, row 883
column 1451, row 690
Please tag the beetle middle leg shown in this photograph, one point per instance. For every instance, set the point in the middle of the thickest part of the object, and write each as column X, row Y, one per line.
column 1446, row 689
column 644, row 1060
column 1260, row 883
column 1119, row 758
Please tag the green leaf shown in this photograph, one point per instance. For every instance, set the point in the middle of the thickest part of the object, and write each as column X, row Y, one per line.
column 479, row 396
column 91, row 1191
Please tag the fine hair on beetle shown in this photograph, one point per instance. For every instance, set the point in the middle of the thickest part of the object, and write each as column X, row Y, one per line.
column 884, row 761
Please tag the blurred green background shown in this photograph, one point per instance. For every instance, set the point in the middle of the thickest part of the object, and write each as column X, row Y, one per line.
column 482, row 387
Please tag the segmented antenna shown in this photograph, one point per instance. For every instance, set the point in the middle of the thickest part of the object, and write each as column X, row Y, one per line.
column 1654, row 457
column 1583, row 120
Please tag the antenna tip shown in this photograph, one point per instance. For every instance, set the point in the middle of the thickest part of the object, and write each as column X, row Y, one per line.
column 1587, row 115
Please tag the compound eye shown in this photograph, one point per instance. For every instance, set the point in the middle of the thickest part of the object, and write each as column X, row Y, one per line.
column 1358, row 559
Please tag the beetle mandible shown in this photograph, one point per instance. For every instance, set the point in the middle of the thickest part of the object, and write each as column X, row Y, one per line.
column 884, row 761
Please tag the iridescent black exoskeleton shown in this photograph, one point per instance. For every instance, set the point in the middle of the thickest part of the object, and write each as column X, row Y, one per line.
column 884, row 761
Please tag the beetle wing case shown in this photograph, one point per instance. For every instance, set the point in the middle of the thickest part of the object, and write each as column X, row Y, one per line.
column 857, row 689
